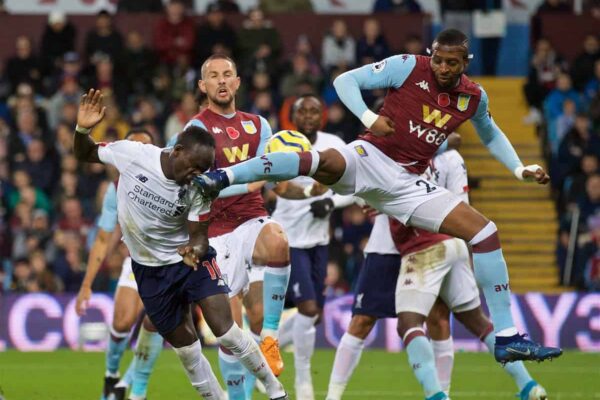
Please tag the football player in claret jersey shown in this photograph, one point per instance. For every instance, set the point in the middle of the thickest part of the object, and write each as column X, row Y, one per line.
column 306, row 222
column 433, row 266
column 252, row 249
column 127, row 307
column 427, row 98
column 162, row 218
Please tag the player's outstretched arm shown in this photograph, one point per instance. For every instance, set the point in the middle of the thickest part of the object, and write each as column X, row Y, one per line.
column 197, row 245
column 501, row 148
column 91, row 112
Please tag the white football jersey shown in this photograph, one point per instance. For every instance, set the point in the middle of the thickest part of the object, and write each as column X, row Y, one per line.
column 380, row 239
column 302, row 229
column 152, row 210
column 447, row 170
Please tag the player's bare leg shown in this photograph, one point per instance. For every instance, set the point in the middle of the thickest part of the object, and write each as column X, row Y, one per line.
column 491, row 273
column 347, row 355
column 438, row 328
column 127, row 309
column 272, row 253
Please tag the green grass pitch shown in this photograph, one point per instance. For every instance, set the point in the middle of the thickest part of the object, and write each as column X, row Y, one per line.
column 69, row 375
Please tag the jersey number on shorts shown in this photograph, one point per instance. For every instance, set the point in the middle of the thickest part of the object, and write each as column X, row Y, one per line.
column 213, row 269
column 429, row 188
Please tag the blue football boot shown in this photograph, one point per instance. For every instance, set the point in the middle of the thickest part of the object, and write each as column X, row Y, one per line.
column 515, row 348
column 211, row 183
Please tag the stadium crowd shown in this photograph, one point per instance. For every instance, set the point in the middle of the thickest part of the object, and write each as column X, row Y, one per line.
column 50, row 201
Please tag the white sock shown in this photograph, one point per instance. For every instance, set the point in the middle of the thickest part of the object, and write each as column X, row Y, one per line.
column 246, row 350
column 199, row 372
column 347, row 357
column 443, row 350
column 286, row 331
column 507, row 332
column 304, row 336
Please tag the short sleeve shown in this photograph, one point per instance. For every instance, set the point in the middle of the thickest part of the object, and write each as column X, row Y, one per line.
column 120, row 153
column 200, row 207
column 108, row 217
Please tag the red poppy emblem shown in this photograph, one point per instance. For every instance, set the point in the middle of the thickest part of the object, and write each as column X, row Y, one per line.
column 443, row 99
column 232, row 133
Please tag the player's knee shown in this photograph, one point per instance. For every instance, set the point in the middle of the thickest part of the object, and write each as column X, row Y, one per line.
column 255, row 317
column 438, row 328
column 123, row 321
column 361, row 325
column 407, row 321
column 272, row 248
column 486, row 240
column 148, row 325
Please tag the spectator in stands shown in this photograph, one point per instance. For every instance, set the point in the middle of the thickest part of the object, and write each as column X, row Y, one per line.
column 57, row 40
column 259, row 45
column 113, row 125
column 554, row 106
column 214, row 35
column 372, row 46
column 288, row 6
column 340, row 123
column 397, row 6
column 329, row 94
column 21, row 275
column 263, row 106
column 577, row 142
column 70, row 263
column 335, row 284
column 544, row 69
column 592, row 87
column 135, row 6
column 104, row 38
column 24, row 193
column 583, row 66
column 107, row 79
column 24, row 66
column 547, row 7
column 140, row 63
column 339, row 47
column 40, row 166
column 414, row 45
column 300, row 71
column 45, row 280
column 185, row 110
column 228, row 6
column 457, row 14
column 69, row 92
column 37, row 236
column 174, row 34
column 564, row 123
column 27, row 130
column 574, row 184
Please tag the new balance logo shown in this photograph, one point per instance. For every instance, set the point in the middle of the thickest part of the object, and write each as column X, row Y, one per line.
column 217, row 130
column 423, row 85
column 141, row 178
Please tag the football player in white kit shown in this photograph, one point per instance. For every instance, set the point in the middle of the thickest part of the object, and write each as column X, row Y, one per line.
column 127, row 306
column 162, row 220
column 432, row 265
column 306, row 224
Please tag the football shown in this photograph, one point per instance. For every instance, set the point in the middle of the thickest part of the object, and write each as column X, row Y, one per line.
column 288, row 141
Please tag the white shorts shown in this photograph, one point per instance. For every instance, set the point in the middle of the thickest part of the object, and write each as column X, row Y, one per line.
column 234, row 254
column 127, row 278
column 442, row 270
column 388, row 187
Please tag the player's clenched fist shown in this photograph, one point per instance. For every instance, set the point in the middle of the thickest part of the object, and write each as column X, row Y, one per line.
column 533, row 173
column 191, row 258
column 383, row 126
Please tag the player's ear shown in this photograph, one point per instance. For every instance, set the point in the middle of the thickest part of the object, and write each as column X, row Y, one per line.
column 202, row 86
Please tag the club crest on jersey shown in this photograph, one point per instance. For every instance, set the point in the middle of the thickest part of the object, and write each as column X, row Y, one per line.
column 249, row 127
column 232, row 132
column 443, row 99
column 463, row 102
column 360, row 150
column 379, row 66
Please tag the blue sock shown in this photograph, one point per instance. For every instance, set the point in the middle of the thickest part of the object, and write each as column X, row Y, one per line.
column 515, row 369
column 422, row 361
column 115, row 350
column 233, row 373
column 270, row 167
column 251, row 379
column 147, row 350
column 127, row 379
column 492, row 276
column 274, row 288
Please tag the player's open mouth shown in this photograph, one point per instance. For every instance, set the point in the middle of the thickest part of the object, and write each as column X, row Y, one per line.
column 222, row 92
